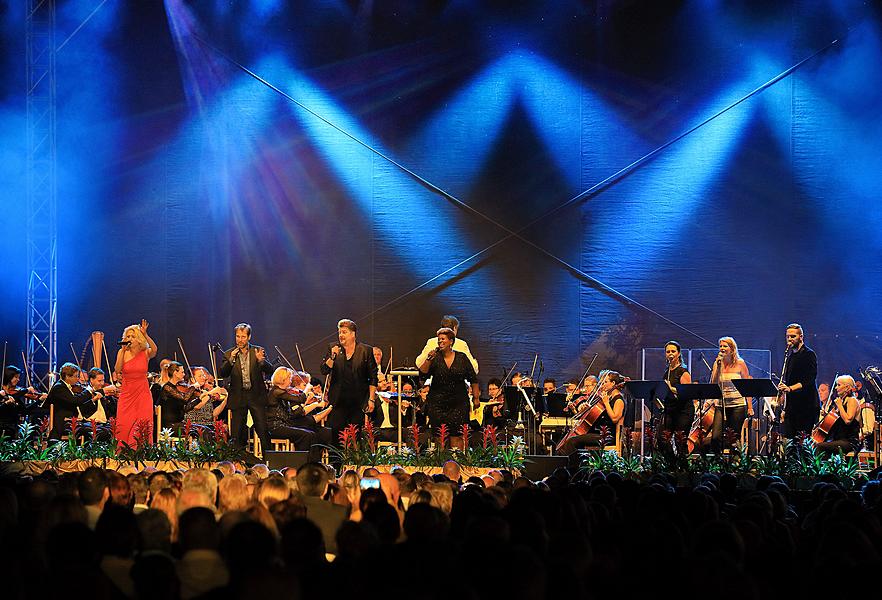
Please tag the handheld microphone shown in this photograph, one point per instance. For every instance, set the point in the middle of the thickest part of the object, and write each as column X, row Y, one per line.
column 123, row 343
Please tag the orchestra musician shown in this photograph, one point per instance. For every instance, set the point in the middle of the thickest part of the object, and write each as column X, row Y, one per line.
column 291, row 418
column 728, row 366
column 177, row 397
column 678, row 414
column 102, row 406
column 206, row 413
column 494, row 412
column 245, row 365
column 13, row 400
column 385, row 415
column 613, row 410
column 384, row 383
column 67, row 395
column 157, row 380
column 799, row 383
column 448, row 400
column 459, row 344
column 843, row 434
column 353, row 372
column 135, row 404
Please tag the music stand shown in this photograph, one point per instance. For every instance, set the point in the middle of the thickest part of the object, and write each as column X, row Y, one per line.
column 645, row 391
column 758, row 388
column 555, row 404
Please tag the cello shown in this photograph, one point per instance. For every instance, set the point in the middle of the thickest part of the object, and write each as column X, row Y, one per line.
column 594, row 409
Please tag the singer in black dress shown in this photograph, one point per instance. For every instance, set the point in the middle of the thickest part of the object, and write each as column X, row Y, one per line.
column 448, row 400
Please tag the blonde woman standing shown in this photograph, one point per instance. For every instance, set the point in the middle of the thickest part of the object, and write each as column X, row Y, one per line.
column 135, row 403
column 728, row 366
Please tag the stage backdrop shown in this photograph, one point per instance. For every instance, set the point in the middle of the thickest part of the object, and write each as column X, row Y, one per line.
column 291, row 164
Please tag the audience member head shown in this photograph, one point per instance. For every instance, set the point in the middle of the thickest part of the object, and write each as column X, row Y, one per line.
column 198, row 530
column 117, row 532
column 120, row 490
column 312, row 480
column 451, row 470
column 155, row 530
column 271, row 490
column 233, row 493
column 203, row 480
column 93, row 487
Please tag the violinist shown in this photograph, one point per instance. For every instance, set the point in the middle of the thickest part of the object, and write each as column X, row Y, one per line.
column 842, row 435
column 385, row 415
column 728, row 366
column 12, row 400
column 291, row 418
column 799, row 384
column 99, row 408
column 206, row 412
column 383, row 381
column 67, row 395
column 157, row 380
column 494, row 412
column 613, row 404
column 678, row 415
column 578, row 400
column 178, row 397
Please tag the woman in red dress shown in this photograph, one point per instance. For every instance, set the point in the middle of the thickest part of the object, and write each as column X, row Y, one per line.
column 135, row 403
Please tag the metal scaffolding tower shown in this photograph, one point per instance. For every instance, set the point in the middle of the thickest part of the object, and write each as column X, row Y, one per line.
column 42, row 209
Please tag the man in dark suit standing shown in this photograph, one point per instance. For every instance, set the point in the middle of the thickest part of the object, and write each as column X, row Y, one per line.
column 246, row 365
column 312, row 481
column 65, row 401
column 800, row 384
column 353, row 371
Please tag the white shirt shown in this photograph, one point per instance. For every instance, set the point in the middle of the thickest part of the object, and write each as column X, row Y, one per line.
column 459, row 345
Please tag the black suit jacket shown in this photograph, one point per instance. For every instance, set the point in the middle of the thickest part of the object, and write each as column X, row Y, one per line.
column 350, row 400
column 66, row 404
column 238, row 396
column 328, row 517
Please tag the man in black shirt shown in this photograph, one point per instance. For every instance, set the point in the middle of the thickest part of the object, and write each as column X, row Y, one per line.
column 353, row 373
column 800, row 384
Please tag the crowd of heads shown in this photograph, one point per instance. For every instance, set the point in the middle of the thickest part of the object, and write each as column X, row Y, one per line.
column 232, row 532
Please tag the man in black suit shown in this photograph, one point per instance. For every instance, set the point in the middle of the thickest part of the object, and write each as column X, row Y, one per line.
column 65, row 401
column 353, row 373
column 246, row 365
column 312, row 481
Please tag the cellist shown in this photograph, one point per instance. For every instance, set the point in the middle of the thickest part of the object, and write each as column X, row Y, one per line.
column 843, row 433
column 613, row 411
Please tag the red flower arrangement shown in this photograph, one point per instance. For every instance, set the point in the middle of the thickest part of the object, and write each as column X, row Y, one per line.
column 443, row 435
column 466, row 433
column 370, row 435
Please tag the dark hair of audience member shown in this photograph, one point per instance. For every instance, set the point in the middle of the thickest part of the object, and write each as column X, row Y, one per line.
column 117, row 532
column 385, row 520
column 248, row 547
column 424, row 522
column 155, row 530
column 154, row 576
column 303, row 546
column 371, row 496
column 91, row 484
column 198, row 530
column 287, row 510
column 120, row 490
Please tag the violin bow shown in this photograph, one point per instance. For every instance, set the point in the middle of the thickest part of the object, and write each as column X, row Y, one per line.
column 24, row 361
column 285, row 358
column 186, row 360
column 300, row 358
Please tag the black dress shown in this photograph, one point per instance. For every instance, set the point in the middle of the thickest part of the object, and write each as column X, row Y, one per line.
column 678, row 414
column 448, row 400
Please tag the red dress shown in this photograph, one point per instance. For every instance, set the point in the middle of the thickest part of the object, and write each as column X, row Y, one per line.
column 135, row 403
